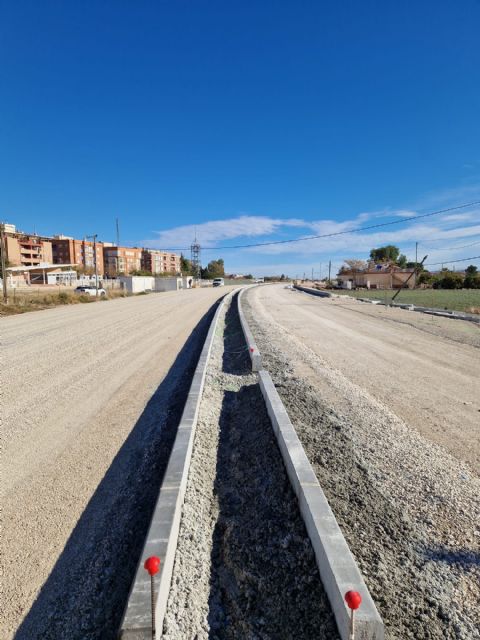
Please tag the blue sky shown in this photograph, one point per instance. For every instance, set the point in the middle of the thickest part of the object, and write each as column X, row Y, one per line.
column 251, row 121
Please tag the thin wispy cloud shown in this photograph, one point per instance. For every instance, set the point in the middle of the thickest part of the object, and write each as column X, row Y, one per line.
column 432, row 234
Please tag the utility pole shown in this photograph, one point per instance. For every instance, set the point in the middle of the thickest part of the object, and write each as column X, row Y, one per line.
column 320, row 273
column 416, row 266
column 329, row 269
column 4, row 264
column 118, row 232
column 312, row 274
column 94, row 237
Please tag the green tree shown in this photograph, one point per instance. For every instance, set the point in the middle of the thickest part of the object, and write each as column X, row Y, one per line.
column 388, row 253
column 472, row 278
column 214, row 269
column 449, row 280
column 185, row 265
column 402, row 261
column 425, row 277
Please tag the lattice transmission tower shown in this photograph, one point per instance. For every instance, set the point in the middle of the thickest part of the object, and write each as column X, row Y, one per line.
column 195, row 257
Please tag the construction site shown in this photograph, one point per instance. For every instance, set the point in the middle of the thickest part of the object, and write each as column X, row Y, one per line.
column 259, row 533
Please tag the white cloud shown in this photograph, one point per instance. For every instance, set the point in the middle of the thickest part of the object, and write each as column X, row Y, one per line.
column 435, row 236
column 216, row 231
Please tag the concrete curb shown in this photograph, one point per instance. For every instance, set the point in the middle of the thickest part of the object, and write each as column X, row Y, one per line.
column 255, row 355
column 443, row 313
column 338, row 570
column 164, row 527
column 313, row 292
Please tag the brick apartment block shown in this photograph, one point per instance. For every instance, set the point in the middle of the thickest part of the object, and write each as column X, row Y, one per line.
column 79, row 252
column 121, row 260
column 157, row 261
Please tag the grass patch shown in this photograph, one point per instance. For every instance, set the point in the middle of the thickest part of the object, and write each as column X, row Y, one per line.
column 467, row 300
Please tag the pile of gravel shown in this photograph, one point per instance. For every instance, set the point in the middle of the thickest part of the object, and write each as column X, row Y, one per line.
column 408, row 510
column 244, row 566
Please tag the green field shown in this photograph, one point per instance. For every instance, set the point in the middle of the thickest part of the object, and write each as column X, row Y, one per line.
column 455, row 300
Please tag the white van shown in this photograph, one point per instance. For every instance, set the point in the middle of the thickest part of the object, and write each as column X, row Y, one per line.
column 218, row 282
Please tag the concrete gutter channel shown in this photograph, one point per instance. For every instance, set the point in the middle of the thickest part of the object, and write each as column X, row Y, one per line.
column 162, row 535
column 443, row 313
column 338, row 570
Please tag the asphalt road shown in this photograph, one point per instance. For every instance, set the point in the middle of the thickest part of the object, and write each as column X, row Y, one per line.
column 75, row 380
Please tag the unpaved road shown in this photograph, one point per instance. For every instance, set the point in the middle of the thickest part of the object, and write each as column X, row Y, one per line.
column 404, row 489
column 426, row 369
column 87, row 391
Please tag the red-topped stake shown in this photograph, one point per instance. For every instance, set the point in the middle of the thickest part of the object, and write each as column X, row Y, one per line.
column 152, row 565
column 252, row 349
column 353, row 600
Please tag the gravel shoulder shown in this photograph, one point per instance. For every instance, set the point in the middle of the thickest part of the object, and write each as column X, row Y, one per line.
column 244, row 566
column 90, row 396
column 407, row 505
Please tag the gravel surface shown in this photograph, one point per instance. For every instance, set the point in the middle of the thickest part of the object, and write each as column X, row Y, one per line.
column 244, row 566
column 91, row 397
column 408, row 509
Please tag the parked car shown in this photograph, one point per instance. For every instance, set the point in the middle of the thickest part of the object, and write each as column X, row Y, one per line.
column 218, row 282
column 90, row 291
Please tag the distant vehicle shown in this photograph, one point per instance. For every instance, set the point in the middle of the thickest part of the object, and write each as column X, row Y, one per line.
column 218, row 282
column 259, row 280
column 90, row 291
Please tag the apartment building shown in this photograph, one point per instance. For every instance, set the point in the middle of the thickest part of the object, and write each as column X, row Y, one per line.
column 24, row 250
column 121, row 260
column 66, row 250
column 157, row 261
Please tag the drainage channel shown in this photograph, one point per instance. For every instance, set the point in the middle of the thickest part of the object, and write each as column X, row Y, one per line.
column 244, row 565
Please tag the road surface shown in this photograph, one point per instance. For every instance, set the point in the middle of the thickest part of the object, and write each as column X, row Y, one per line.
column 425, row 369
column 386, row 404
column 75, row 381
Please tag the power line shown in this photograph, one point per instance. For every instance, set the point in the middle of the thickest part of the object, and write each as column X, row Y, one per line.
column 472, row 244
column 338, row 233
column 434, row 264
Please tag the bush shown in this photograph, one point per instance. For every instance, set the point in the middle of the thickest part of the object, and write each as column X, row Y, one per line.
column 449, row 280
column 63, row 297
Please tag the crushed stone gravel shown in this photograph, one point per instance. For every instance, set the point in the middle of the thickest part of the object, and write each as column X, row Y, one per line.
column 244, row 566
column 408, row 509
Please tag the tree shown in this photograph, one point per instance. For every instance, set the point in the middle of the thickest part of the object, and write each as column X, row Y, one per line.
column 472, row 278
column 214, row 269
column 354, row 265
column 388, row 253
column 425, row 277
column 449, row 280
column 402, row 261
column 185, row 265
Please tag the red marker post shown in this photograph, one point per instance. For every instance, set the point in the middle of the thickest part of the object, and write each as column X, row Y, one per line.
column 252, row 349
column 353, row 600
column 152, row 565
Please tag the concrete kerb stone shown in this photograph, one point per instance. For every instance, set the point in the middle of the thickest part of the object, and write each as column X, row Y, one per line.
column 338, row 570
column 253, row 350
column 162, row 536
column 454, row 315
column 313, row 292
